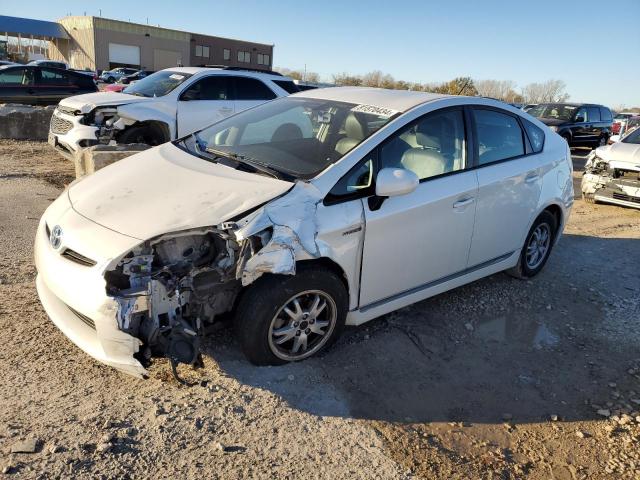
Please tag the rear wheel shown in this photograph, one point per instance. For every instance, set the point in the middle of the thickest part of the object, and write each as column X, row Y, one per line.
column 289, row 318
column 537, row 247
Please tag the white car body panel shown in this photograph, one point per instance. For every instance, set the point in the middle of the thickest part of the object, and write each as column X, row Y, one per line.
column 415, row 246
column 180, row 117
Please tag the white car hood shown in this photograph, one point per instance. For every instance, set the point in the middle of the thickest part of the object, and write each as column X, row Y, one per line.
column 166, row 189
column 87, row 102
column 621, row 155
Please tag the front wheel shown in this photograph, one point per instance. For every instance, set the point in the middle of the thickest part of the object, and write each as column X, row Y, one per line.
column 537, row 247
column 289, row 318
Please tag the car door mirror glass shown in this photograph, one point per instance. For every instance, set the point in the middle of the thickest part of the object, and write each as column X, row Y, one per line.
column 392, row 182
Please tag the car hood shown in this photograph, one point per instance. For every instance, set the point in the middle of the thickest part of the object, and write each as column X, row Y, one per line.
column 621, row 153
column 552, row 122
column 166, row 189
column 87, row 102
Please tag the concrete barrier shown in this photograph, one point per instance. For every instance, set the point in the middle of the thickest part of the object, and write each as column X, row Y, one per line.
column 25, row 122
column 94, row 158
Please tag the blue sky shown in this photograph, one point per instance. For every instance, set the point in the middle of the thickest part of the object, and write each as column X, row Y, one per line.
column 593, row 46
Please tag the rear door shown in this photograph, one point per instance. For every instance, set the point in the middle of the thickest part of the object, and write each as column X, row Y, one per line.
column 204, row 102
column 509, row 185
column 54, row 84
column 250, row 92
column 16, row 85
column 594, row 127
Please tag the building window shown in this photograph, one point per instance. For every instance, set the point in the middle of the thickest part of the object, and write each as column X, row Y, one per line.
column 244, row 57
column 226, row 54
column 202, row 51
column 264, row 59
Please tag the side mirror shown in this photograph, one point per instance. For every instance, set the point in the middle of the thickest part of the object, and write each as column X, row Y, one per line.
column 580, row 119
column 392, row 182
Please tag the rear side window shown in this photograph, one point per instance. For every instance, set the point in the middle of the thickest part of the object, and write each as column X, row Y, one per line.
column 252, row 89
column 287, row 85
column 53, row 77
column 605, row 114
column 499, row 136
column 535, row 134
column 593, row 114
column 16, row 76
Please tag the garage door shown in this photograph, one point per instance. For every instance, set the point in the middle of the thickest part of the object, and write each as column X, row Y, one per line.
column 124, row 54
column 166, row 59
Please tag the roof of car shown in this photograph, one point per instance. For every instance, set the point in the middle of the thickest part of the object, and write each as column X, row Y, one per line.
column 400, row 100
column 195, row 70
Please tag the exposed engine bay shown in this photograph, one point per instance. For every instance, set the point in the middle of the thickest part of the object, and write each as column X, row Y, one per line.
column 610, row 182
column 171, row 289
column 107, row 121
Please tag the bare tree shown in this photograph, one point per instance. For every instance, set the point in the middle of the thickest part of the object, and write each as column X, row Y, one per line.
column 344, row 79
column 550, row 91
column 500, row 89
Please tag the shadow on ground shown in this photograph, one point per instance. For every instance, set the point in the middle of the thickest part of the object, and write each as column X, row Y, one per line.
column 499, row 345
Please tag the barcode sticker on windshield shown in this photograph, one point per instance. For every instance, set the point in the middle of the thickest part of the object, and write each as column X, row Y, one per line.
column 373, row 110
column 175, row 76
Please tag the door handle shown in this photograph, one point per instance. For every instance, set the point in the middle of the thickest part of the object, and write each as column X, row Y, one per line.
column 532, row 177
column 464, row 202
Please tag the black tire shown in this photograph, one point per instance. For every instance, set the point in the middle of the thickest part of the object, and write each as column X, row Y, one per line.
column 111, row 80
column 147, row 134
column 523, row 269
column 265, row 300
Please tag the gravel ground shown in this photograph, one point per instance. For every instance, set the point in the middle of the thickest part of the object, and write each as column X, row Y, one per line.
column 498, row 379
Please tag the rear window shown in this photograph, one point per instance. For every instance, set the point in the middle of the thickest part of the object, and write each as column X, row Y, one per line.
column 287, row 85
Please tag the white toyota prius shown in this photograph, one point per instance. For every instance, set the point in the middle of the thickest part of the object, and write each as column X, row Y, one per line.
column 296, row 217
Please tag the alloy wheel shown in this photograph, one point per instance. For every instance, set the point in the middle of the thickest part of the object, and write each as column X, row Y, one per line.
column 302, row 325
column 538, row 246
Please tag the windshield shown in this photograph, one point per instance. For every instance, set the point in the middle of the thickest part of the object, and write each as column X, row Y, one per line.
column 297, row 137
column 158, row 84
column 633, row 137
column 557, row 111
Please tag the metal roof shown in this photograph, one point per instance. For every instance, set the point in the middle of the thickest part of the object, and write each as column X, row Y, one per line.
column 26, row 27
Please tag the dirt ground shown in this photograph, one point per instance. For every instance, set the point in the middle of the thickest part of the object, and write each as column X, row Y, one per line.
column 499, row 379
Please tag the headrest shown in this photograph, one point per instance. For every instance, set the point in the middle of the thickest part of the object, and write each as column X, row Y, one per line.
column 354, row 129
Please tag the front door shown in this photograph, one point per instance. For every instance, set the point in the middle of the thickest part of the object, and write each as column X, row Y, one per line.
column 422, row 237
column 203, row 103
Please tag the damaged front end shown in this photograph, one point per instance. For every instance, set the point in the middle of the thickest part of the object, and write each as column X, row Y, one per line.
column 610, row 182
column 107, row 121
column 170, row 289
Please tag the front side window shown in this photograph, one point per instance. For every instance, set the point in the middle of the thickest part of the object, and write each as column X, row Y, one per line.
column 433, row 146
column 209, row 88
column 16, row 76
column 593, row 114
column 158, row 84
column 581, row 115
column 299, row 137
column 252, row 89
column 499, row 136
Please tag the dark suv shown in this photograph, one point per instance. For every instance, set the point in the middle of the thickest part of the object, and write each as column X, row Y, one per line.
column 581, row 124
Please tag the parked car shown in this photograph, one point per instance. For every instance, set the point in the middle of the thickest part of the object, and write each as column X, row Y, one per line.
column 111, row 76
column 114, row 87
column 329, row 207
column 620, row 121
column 580, row 124
column 612, row 173
column 139, row 75
column 161, row 107
column 529, row 106
column 7, row 62
column 35, row 85
column 49, row 63
column 629, row 125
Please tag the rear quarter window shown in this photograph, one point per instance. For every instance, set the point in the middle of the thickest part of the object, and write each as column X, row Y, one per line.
column 535, row 134
column 287, row 85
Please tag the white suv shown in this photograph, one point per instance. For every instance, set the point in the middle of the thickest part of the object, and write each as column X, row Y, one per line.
column 324, row 208
column 161, row 107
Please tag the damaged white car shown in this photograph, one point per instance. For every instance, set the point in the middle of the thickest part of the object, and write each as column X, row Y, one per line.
column 612, row 173
column 161, row 107
column 294, row 218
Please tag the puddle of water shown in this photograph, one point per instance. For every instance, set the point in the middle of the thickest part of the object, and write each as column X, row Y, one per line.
column 518, row 330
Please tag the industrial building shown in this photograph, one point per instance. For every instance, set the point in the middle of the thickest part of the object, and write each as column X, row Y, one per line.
column 97, row 43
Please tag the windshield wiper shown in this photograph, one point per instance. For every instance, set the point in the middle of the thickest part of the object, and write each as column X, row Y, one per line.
column 243, row 159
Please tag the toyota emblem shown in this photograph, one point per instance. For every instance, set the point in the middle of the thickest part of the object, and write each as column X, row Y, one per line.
column 55, row 238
